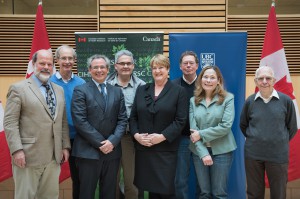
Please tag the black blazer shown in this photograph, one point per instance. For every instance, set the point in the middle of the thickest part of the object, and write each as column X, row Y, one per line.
column 93, row 124
column 166, row 115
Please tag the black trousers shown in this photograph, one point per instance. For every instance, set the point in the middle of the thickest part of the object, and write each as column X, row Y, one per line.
column 91, row 171
column 277, row 176
column 74, row 174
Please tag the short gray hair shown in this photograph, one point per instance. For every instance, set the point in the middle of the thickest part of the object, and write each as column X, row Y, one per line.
column 121, row 53
column 97, row 56
column 264, row 67
column 57, row 52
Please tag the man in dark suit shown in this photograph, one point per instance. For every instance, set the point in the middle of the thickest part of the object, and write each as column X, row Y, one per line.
column 99, row 115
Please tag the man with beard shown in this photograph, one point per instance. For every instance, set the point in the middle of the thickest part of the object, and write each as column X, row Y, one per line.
column 37, row 133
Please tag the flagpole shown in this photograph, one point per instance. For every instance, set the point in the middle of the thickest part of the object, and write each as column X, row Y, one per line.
column 273, row 3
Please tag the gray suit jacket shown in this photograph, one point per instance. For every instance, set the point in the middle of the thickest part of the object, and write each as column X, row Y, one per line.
column 93, row 124
column 29, row 126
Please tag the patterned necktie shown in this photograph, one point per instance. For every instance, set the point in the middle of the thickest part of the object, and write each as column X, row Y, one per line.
column 104, row 94
column 50, row 99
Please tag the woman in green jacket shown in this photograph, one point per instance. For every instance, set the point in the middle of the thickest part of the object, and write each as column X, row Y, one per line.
column 212, row 141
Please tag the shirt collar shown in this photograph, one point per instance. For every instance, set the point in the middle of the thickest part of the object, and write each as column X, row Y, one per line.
column 274, row 94
column 58, row 75
column 188, row 82
column 97, row 84
column 115, row 81
column 38, row 81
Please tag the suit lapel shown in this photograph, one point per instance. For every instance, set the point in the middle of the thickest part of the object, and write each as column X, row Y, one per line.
column 110, row 96
column 165, row 90
column 37, row 92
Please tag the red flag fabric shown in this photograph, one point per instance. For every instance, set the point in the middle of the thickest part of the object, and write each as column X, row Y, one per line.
column 5, row 160
column 40, row 38
column 273, row 55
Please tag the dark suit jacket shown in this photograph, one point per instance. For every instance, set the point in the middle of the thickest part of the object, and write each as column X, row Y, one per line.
column 166, row 115
column 93, row 124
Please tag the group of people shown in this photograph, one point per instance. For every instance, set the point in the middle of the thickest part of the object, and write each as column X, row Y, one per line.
column 152, row 131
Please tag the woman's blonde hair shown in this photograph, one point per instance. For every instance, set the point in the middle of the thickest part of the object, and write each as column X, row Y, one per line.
column 160, row 59
column 199, row 92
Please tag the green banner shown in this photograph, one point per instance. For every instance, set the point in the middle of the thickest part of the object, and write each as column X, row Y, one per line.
column 143, row 45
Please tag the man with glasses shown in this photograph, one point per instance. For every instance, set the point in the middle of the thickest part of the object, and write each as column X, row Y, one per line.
column 65, row 58
column 99, row 115
column 124, row 78
column 188, row 65
column 268, row 121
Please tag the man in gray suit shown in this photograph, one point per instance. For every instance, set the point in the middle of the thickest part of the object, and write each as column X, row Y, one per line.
column 99, row 116
column 36, row 129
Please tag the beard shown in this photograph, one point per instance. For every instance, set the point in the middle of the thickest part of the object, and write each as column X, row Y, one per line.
column 42, row 77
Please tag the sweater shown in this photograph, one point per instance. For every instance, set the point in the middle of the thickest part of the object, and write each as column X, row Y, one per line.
column 68, row 90
column 268, row 128
column 189, row 88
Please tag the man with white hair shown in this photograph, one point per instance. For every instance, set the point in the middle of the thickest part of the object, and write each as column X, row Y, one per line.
column 268, row 121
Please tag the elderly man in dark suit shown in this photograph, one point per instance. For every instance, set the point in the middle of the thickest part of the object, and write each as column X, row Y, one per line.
column 37, row 132
column 99, row 115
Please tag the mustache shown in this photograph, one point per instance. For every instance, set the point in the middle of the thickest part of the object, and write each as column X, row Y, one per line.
column 45, row 71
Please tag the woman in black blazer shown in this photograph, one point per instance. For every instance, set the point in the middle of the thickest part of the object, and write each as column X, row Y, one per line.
column 158, row 115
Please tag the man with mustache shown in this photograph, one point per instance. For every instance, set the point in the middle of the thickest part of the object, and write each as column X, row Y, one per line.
column 37, row 133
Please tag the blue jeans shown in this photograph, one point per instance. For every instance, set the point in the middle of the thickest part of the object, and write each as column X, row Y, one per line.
column 183, row 170
column 213, row 179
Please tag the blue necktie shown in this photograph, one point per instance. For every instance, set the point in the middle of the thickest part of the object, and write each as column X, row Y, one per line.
column 104, row 94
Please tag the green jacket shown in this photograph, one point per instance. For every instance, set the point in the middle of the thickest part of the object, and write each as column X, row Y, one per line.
column 214, row 125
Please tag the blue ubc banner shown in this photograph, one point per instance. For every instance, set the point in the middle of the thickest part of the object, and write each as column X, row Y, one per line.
column 227, row 51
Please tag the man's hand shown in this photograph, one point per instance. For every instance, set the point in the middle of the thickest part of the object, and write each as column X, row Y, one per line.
column 19, row 159
column 106, row 147
column 65, row 156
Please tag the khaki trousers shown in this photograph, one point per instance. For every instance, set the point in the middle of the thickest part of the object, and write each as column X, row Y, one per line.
column 39, row 182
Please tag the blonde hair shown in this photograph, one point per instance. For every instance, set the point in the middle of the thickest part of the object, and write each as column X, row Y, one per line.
column 199, row 92
column 161, row 60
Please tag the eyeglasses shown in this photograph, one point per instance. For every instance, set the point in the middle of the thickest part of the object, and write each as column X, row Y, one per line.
column 188, row 62
column 261, row 79
column 98, row 67
column 64, row 59
column 125, row 63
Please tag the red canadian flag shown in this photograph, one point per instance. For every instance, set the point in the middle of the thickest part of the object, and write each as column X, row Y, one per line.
column 40, row 40
column 273, row 55
column 5, row 161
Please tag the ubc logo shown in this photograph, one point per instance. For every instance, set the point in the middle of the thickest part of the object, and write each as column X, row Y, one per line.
column 82, row 39
column 207, row 59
